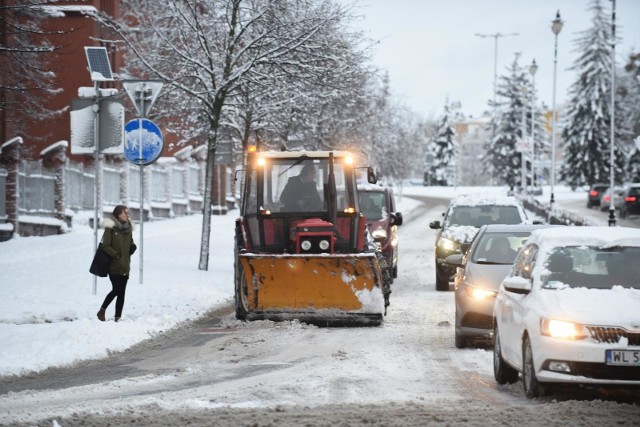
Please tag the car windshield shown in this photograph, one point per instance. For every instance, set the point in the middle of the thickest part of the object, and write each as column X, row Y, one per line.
column 372, row 204
column 480, row 215
column 592, row 267
column 498, row 248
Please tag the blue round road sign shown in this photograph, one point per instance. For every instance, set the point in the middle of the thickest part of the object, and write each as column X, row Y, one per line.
column 143, row 141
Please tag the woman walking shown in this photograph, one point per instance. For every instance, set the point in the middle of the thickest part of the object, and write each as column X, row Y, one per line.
column 117, row 242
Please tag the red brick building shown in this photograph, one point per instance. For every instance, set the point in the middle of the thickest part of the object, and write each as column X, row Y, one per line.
column 72, row 20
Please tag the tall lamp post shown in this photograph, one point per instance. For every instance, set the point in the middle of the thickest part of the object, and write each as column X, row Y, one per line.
column 556, row 27
column 532, row 70
column 495, row 36
column 612, row 210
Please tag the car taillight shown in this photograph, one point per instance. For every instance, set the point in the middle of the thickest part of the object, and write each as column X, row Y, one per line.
column 593, row 193
column 630, row 199
column 606, row 198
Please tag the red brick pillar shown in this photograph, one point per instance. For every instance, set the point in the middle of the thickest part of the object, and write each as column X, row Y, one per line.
column 54, row 158
column 10, row 158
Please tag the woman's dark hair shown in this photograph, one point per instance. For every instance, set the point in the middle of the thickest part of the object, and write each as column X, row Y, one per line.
column 118, row 210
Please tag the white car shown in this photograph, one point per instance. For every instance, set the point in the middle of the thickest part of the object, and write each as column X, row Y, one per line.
column 569, row 312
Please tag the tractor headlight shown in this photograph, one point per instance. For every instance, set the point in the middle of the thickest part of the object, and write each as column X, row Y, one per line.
column 561, row 329
column 305, row 245
column 324, row 245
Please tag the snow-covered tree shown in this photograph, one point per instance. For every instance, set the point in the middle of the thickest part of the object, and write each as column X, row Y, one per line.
column 587, row 127
column 218, row 53
column 628, row 89
column 27, row 76
column 512, row 122
column 444, row 149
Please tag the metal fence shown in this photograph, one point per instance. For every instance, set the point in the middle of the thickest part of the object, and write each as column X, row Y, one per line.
column 36, row 189
column 167, row 184
column 79, row 187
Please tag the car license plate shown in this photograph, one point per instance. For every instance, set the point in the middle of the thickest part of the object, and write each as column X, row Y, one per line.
column 623, row 357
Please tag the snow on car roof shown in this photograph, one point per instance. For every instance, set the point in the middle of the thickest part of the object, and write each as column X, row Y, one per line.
column 365, row 186
column 484, row 199
column 588, row 236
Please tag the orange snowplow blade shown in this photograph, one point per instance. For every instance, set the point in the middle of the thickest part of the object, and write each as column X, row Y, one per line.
column 312, row 288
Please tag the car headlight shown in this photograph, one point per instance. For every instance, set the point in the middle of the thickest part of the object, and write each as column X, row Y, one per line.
column 478, row 293
column 305, row 245
column 447, row 244
column 562, row 329
column 380, row 234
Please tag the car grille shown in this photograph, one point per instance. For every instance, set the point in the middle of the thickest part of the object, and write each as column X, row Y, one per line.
column 477, row 320
column 601, row 371
column 610, row 335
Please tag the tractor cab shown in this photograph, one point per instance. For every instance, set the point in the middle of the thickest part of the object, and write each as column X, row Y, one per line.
column 300, row 202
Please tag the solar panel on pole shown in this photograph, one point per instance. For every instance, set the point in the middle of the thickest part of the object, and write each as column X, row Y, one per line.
column 99, row 65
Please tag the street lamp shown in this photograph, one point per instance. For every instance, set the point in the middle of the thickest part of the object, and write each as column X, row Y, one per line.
column 495, row 36
column 556, row 27
column 612, row 211
column 523, row 132
column 532, row 70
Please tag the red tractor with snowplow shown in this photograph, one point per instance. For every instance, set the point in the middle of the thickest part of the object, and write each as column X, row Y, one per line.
column 303, row 250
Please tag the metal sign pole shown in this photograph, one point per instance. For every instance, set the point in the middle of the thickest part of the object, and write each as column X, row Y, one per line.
column 96, row 162
column 141, row 184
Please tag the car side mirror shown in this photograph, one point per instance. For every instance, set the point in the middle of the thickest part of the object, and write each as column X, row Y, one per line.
column 455, row 260
column 517, row 285
column 435, row 225
column 371, row 176
column 396, row 218
column 464, row 247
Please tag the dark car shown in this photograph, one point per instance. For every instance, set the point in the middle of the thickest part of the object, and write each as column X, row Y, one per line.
column 595, row 194
column 379, row 208
column 630, row 203
column 463, row 218
column 479, row 275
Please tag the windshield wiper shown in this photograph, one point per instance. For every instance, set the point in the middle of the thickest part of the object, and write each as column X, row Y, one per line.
column 296, row 163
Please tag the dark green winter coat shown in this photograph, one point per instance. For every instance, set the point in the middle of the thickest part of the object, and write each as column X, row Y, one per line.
column 117, row 242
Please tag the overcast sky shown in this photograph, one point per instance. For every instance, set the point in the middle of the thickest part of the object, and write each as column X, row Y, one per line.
column 430, row 49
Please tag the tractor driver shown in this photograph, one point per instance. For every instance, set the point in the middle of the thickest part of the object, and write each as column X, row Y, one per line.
column 300, row 193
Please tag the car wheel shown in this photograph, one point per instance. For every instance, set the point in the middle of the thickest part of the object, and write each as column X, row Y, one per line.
column 442, row 280
column 461, row 342
column 532, row 388
column 502, row 372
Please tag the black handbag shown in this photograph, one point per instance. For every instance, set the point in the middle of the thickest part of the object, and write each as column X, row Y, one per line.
column 101, row 263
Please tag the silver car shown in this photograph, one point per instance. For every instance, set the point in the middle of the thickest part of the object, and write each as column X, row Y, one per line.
column 478, row 278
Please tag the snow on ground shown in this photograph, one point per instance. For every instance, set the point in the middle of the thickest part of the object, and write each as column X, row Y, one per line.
column 48, row 308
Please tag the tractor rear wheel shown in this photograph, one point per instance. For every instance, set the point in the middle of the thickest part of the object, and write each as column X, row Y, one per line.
column 240, row 295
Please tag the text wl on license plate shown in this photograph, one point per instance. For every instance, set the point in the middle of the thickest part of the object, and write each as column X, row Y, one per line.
column 623, row 357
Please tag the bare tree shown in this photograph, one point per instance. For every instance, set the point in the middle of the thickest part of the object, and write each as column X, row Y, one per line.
column 208, row 50
column 26, row 77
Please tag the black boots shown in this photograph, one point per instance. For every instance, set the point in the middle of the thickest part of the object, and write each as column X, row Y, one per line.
column 101, row 314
